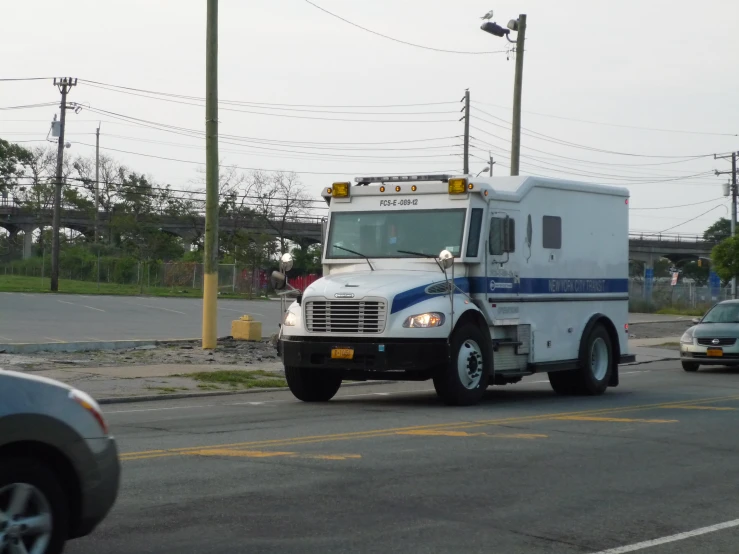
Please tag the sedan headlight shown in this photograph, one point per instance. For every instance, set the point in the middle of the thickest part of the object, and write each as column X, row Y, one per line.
column 687, row 337
column 291, row 320
column 431, row 319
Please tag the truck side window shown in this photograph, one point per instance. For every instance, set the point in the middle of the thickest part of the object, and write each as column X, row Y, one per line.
column 552, row 232
column 473, row 240
column 502, row 237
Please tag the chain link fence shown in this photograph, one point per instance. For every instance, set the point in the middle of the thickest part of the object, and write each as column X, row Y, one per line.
column 659, row 295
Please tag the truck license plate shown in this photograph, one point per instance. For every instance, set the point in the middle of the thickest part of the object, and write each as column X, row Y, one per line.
column 342, row 353
column 714, row 352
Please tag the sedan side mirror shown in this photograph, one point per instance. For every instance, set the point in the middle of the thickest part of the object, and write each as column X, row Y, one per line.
column 696, row 320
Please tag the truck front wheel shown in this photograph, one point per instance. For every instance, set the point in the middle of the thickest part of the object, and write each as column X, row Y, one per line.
column 463, row 380
column 312, row 385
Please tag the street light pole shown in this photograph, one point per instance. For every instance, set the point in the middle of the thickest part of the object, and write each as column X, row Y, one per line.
column 518, row 82
column 518, row 25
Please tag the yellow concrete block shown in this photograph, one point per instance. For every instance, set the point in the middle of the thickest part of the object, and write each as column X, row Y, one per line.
column 246, row 328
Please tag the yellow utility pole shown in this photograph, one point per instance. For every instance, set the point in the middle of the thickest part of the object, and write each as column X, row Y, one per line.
column 210, row 262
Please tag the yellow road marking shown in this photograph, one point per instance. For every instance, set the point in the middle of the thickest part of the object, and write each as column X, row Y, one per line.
column 448, row 433
column 521, row 436
column 440, row 433
column 393, row 431
column 614, row 419
column 716, row 408
column 238, row 453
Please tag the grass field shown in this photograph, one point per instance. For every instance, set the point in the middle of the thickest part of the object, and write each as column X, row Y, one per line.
column 18, row 283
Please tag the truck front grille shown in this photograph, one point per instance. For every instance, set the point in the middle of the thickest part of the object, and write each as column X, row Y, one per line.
column 326, row 316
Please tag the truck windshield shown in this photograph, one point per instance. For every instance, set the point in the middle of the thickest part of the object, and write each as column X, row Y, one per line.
column 382, row 234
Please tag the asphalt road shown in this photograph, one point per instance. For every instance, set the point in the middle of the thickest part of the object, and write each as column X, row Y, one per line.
column 69, row 318
column 386, row 468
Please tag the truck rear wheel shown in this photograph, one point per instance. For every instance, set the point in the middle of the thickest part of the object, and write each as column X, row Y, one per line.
column 596, row 366
column 312, row 385
column 463, row 380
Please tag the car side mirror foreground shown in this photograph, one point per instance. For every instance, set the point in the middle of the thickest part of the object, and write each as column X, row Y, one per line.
column 696, row 320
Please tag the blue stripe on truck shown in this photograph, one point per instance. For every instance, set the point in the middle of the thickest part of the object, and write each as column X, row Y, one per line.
column 526, row 286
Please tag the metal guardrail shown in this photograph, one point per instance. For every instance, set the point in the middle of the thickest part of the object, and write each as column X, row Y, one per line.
column 662, row 237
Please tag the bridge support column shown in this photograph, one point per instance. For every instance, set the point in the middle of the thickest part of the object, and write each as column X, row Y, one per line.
column 27, row 240
column 648, row 277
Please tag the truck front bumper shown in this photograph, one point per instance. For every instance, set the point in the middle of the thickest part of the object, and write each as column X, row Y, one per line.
column 369, row 355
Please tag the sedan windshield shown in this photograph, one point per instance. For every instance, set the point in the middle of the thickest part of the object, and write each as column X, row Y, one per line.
column 723, row 313
column 383, row 234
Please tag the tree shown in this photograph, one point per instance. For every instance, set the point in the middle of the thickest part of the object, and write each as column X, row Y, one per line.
column 279, row 198
column 12, row 160
column 725, row 257
column 307, row 260
column 699, row 274
column 718, row 231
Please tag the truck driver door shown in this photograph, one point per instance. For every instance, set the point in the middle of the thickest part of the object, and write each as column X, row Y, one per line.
column 503, row 280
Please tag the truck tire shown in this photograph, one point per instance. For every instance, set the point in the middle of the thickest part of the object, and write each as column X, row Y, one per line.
column 312, row 385
column 595, row 367
column 463, row 380
column 39, row 496
column 690, row 366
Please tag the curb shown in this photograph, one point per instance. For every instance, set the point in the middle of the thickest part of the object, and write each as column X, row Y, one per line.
column 650, row 362
column 84, row 346
column 183, row 395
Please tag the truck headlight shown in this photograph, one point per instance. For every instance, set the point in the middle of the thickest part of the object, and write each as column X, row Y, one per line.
column 687, row 337
column 291, row 320
column 431, row 319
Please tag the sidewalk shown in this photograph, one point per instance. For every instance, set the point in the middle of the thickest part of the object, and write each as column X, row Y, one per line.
column 122, row 383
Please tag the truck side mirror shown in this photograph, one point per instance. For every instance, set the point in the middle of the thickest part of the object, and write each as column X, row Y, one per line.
column 286, row 262
column 278, row 280
column 446, row 258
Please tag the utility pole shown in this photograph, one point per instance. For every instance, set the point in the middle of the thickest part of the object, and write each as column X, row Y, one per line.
column 734, row 194
column 210, row 278
column 466, row 132
column 516, row 126
column 490, row 155
column 97, row 197
column 733, row 213
column 64, row 85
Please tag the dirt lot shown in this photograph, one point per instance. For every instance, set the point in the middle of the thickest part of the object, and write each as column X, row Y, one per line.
column 658, row 330
column 229, row 352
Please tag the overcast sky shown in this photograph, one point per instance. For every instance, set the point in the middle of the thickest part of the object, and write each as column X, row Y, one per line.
column 668, row 65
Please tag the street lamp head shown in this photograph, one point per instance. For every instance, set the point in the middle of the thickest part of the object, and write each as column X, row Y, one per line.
column 494, row 29
column 513, row 24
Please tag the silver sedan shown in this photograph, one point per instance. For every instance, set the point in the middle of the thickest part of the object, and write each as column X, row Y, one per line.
column 59, row 466
column 714, row 339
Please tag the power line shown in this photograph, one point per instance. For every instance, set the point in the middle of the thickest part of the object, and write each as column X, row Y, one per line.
column 398, row 40
column 44, row 105
column 261, row 105
column 617, row 124
column 28, row 79
column 692, row 219
column 679, row 206
column 562, row 142
column 251, row 103
column 245, row 168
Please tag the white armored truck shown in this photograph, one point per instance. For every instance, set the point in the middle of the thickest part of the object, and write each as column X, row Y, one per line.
column 468, row 281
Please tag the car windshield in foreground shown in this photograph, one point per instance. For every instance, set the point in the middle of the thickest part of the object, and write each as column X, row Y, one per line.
column 383, row 234
column 723, row 313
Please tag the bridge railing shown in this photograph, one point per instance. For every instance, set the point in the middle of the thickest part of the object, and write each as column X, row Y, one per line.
column 669, row 237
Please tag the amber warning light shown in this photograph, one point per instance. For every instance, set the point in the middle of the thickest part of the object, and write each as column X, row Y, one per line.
column 457, row 186
column 340, row 190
